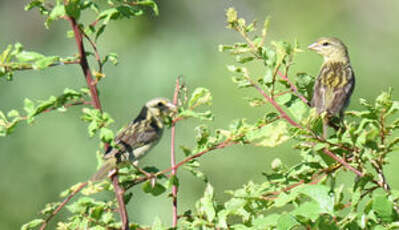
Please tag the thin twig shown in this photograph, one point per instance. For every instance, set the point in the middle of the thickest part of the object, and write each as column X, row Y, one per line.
column 173, row 158
column 316, row 178
column 54, row 108
column 13, row 66
column 83, row 62
column 44, row 225
column 276, row 70
column 343, row 162
column 221, row 145
column 283, row 114
column 96, row 53
column 293, row 88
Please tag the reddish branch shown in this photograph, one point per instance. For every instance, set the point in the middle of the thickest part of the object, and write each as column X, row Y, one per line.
column 221, row 145
column 173, row 158
column 283, row 114
column 293, row 88
column 96, row 104
column 44, row 225
column 343, row 162
column 96, row 53
column 84, row 63
column 119, row 196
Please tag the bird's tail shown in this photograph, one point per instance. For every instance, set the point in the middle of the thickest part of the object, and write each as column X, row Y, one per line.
column 102, row 173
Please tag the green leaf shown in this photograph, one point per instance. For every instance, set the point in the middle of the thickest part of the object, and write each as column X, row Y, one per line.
column 193, row 168
column 106, row 135
column 29, row 106
column 155, row 190
column 205, row 116
column 73, row 8
column 29, row 56
column 320, row 194
column 265, row 222
column 45, row 62
column 383, row 208
column 286, row 222
column 270, row 135
column 298, row 109
column 151, row 4
column 205, row 205
column 309, row 210
column 57, row 12
column 200, row 96
column 13, row 113
column 32, row 224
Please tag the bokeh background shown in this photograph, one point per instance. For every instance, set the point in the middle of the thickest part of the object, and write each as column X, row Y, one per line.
column 38, row 162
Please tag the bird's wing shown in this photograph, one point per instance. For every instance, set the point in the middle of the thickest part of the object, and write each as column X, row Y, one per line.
column 333, row 88
column 135, row 135
column 342, row 90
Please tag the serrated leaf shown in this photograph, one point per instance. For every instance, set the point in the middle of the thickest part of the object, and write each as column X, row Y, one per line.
column 270, row 135
column 200, row 96
column 205, row 205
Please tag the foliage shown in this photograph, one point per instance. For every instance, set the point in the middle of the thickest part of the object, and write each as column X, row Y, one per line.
column 307, row 194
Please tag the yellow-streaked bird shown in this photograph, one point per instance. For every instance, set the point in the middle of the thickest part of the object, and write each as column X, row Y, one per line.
column 134, row 141
column 336, row 81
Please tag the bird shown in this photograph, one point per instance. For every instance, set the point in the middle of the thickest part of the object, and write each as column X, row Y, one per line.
column 137, row 138
column 336, row 80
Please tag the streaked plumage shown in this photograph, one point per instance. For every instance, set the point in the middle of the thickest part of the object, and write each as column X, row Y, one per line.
column 134, row 141
column 336, row 81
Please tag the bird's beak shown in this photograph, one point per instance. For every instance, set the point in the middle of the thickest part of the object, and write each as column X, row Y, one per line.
column 315, row 46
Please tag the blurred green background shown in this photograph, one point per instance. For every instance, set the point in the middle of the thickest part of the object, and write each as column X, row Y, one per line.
column 38, row 162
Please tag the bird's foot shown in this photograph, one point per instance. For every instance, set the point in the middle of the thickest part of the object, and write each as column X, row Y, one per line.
column 112, row 173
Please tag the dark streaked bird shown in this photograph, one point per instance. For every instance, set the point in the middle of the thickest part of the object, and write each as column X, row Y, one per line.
column 336, row 80
column 134, row 141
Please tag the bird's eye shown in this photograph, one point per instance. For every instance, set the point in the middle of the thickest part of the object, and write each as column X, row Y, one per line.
column 326, row 43
column 160, row 104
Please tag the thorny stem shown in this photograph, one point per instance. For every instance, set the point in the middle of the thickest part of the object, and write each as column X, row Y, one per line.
column 173, row 158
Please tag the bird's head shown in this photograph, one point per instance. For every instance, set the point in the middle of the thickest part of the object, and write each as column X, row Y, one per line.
column 161, row 107
column 332, row 49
